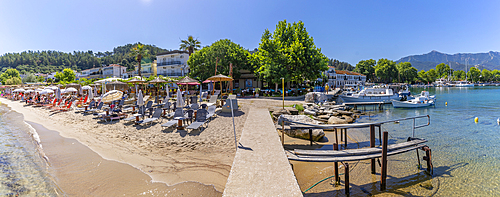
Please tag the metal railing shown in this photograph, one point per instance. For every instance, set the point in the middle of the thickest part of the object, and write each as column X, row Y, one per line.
column 363, row 125
column 168, row 63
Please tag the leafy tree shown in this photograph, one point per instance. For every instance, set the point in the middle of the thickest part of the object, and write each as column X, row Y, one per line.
column 340, row 65
column 406, row 73
column 459, row 75
column 386, row 70
column 422, row 76
column 495, row 75
column 30, row 78
column 13, row 81
column 191, row 45
column 40, row 78
column 366, row 67
column 288, row 53
column 222, row 52
column 50, row 80
column 432, row 75
column 139, row 52
column 66, row 76
column 486, row 76
column 9, row 74
column 473, row 74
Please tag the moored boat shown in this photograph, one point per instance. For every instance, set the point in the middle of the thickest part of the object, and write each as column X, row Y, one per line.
column 423, row 100
column 375, row 94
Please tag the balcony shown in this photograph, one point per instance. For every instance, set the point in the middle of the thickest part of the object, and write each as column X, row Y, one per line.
column 170, row 74
column 168, row 63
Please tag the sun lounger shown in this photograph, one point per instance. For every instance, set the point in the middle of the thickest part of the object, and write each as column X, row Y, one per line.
column 64, row 108
column 156, row 116
column 212, row 101
column 201, row 118
column 140, row 113
column 116, row 116
column 211, row 112
column 178, row 113
column 99, row 107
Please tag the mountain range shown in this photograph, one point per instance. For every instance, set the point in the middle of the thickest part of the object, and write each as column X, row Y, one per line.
column 459, row 61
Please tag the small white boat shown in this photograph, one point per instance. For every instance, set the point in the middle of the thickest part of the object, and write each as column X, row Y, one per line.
column 423, row 100
column 375, row 94
column 463, row 84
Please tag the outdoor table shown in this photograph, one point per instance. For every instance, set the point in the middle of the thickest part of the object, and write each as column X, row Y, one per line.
column 179, row 123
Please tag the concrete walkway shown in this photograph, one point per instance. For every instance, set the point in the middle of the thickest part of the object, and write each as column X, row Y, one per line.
column 260, row 166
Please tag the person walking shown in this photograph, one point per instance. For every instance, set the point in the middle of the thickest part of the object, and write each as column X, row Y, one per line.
column 326, row 88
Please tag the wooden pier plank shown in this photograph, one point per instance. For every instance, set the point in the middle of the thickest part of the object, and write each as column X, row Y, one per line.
column 362, row 151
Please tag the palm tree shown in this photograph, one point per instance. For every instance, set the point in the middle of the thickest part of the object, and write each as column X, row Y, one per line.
column 191, row 45
column 139, row 52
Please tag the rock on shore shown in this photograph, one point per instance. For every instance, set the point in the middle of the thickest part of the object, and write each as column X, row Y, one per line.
column 317, row 134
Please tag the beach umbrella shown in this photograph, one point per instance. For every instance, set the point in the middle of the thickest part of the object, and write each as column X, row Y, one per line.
column 87, row 88
column 111, row 96
column 58, row 94
column 187, row 81
column 220, row 78
column 29, row 91
column 201, row 100
column 95, row 91
column 19, row 90
column 136, row 80
column 62, row 91
column 48, row 91
column 157, row 80
column 180, row 101
column 71, row 90
column 81, row 90
column 168, row 94
column 91, row 94
column 140, row 99
column 117, row 84
column 108, row 80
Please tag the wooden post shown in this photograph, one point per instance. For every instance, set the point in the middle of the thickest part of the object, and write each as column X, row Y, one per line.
column 341, row 135
column 336, row 166
column 383, row 172
column 346, row 167
column 379, row 135
column 336, row 137
column 372, row 144
column 345, row 140
column 311, row 136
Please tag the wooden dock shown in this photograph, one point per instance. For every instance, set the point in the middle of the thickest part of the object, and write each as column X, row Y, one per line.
column 260, row 166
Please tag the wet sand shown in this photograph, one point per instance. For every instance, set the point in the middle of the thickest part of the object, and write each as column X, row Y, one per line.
column 81, row 172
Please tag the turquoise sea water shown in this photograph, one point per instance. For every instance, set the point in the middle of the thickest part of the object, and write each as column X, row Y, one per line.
column 466, row 155
column 24, row 171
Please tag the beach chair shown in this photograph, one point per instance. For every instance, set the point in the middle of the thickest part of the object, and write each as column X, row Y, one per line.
column 140, row 113
column 156, row 116
column 99, row 107
column 201, row 118
column 203, row 106
column 166, row 106
column 91, row 104
column 64, row 108
column 115, row 116
column 231, row 96
column 178, row 113
column 212, row 100
column 211, row 112
column 189, row 115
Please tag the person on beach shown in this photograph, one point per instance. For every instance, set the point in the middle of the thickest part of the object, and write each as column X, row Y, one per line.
column 326, row 88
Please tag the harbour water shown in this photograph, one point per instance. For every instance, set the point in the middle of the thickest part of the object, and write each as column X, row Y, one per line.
column 465, row 154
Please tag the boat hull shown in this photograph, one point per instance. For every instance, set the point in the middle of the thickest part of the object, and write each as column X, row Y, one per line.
column 407, row 104
column 385, row 99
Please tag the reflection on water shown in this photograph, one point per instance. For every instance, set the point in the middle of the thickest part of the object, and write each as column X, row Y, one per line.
column 465, row 154
column 23, row 169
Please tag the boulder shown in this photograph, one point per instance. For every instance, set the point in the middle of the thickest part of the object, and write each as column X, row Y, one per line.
column 337, row 120
column 324, row 117
column 349, row 119
column 348, row 113
column 279, row 112
column 309, row 112
column 317, row 134
column 315, row 97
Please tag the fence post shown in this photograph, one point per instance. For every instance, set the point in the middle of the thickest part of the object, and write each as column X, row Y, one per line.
column 346, row 167
column 383, row 172
column 372, row 144
column 336, row 166
column 311, row 136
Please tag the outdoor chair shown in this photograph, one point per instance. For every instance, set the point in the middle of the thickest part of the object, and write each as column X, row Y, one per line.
column 166, row 106
column 141, row 112
column 99, row 107
column 201, row 118
column 212, row 101
column 156, row 116
column 211, row 112
column 203, row 106
column 178, row 113
column 91, row 104
column 189, row 115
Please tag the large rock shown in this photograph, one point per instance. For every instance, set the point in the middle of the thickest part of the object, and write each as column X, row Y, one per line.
column 279, row 112
column 324, row 117
column 347, row 113
column 309, row 112
column 349, row 119
column 317, row 134
column 315, row 97
column 337, row 120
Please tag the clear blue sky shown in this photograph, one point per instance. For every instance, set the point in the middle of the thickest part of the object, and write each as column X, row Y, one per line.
column 346, row 30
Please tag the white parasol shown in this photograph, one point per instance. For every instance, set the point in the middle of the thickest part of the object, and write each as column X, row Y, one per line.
column 180, row 101
column 58, row 94
column 201, row 100
column 111, row 96
column 91, row 94
column 71, row 90
column 19, row 90
column 140, row 99
column 87, row 88
column 48, row 91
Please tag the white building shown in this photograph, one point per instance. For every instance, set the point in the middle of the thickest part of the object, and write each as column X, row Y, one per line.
column 172, row 63
column 342, row 78
column 114, row 70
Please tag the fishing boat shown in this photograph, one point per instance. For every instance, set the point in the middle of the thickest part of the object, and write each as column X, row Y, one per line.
column 423, row 100
column 374, row 94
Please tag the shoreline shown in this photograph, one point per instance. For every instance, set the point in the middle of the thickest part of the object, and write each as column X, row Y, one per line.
column 169, row 165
